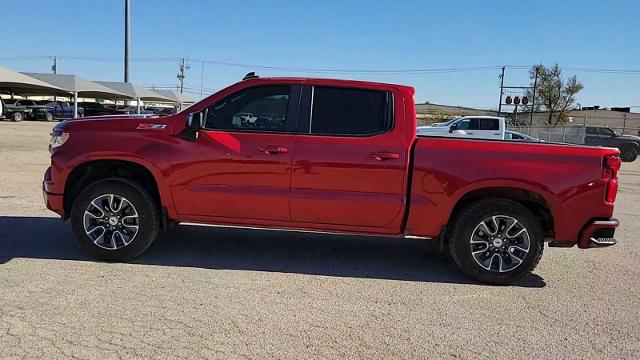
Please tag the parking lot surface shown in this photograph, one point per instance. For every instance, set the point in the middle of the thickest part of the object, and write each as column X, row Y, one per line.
column 203, row 292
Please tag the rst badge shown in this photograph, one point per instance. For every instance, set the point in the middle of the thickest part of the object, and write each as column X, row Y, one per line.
column 147, row 126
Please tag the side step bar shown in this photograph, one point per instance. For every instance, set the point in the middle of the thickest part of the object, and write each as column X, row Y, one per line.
column 601, row 242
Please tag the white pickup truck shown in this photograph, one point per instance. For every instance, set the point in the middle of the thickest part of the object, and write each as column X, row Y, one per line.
column 479, row 127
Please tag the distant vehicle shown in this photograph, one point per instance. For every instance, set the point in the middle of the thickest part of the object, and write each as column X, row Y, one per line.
column 62, row 109
column 629, row 145
column 163, row 111
column 97, row 109
column 16, row 112
column 38, row 111
column 516, row 136
column 479, row 127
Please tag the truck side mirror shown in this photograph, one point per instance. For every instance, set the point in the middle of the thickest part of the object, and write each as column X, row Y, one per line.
column 453, row 128
column 195, row 121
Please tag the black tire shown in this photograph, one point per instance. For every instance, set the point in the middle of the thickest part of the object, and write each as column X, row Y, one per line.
column 148, row 218
column 628, row 154
column 49, row 116
column 17, row 116
column 466, row 223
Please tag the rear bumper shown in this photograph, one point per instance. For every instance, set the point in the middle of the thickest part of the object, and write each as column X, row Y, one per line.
column 598, row 233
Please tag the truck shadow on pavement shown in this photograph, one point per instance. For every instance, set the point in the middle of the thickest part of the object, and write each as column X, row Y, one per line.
column 255, row 250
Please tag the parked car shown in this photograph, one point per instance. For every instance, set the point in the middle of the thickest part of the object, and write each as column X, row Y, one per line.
column 514, row 135
column 16, row 112
column 629, row 145
column 98, row 109
column 38, row 111
column 63, row 109
column 479, row 127
column 345, row 159
column 163, row 111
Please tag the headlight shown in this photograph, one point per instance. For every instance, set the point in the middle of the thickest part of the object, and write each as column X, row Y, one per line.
column 57, row 139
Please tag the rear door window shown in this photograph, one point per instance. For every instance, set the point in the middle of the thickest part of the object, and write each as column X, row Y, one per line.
column 489, row 124
column 350, row 112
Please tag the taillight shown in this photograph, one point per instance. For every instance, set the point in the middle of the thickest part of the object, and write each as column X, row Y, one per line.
column 611, row 165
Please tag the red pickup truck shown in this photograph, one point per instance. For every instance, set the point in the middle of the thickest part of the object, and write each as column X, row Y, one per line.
column 332, row 156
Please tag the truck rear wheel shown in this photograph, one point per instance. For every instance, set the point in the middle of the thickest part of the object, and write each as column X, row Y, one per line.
column 496, row 241
column 115, row 219
column 18, row 116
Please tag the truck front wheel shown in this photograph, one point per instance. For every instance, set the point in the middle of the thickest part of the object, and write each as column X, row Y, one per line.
column 115, row 219
column 496, row 240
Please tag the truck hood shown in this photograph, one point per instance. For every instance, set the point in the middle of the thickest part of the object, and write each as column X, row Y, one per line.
column 631, row 137
column 115, row 123
column 117, row 117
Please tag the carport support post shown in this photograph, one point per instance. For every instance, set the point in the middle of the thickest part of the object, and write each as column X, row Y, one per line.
column 75, row 104
column 138, row 100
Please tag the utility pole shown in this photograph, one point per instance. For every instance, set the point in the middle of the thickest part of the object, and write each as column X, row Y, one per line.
column 127, row 38
column 183, row 67
column 54, row 68
column 201, row 79
column 501, row 91
column 533, row 101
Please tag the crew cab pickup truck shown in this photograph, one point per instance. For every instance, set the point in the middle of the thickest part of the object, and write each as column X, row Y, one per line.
column 342, row 157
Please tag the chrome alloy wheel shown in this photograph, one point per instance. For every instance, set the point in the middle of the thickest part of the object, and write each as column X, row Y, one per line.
column 111, row 221
column 499, row 243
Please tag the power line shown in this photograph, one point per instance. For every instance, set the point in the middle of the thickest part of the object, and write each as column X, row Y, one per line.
column 326, row 70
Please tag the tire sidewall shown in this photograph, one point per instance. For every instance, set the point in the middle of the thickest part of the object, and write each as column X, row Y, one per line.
column 628, row 154
column 148, row 218
column 18, row 116
column 472, row 216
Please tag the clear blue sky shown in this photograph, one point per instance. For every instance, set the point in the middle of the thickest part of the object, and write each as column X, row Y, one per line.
column 377, row 35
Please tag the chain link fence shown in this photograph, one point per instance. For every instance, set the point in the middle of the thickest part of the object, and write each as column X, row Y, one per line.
column 623, row 138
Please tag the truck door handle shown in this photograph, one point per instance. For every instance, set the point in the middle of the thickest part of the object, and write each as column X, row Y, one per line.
column 383, row 155
column 273, row 149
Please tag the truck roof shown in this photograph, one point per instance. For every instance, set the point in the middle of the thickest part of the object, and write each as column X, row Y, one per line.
column 329, row 81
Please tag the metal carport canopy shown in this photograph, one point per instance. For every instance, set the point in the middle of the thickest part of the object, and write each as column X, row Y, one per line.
column 135, row 91
column 21, row 84
column 79, row 87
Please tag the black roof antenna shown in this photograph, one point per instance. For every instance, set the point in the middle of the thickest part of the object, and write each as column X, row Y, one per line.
column 251, row 75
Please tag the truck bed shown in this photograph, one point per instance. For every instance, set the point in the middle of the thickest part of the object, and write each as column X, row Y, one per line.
column 565, row 179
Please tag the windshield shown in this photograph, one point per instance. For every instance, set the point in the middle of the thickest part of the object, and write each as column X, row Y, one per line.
column 444, row 123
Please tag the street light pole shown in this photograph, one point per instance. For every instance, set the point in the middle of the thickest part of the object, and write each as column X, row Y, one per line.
column 127, row 22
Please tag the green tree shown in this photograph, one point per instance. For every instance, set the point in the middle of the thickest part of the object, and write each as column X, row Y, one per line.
column 554, row 94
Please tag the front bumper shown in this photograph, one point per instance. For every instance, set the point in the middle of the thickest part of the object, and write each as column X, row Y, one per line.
column 598, row 233
column 54, row 202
